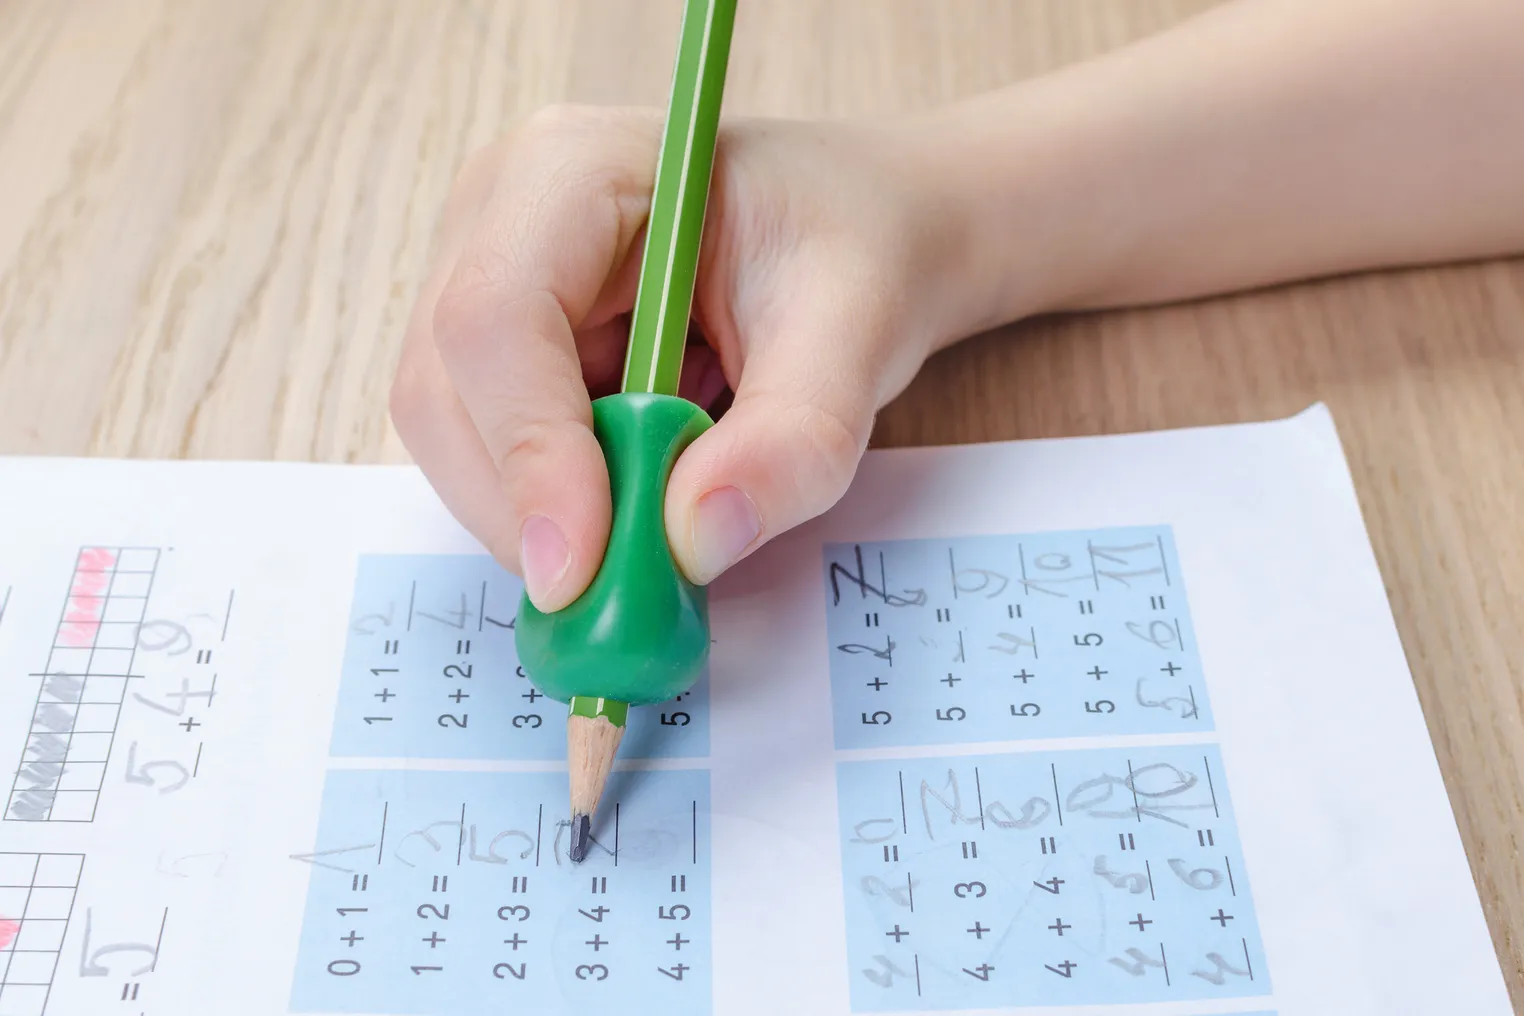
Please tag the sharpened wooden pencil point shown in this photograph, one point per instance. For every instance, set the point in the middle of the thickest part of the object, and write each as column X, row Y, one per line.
column 593, row 732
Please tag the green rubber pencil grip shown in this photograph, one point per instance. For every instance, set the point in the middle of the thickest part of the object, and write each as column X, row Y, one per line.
column 639, row 634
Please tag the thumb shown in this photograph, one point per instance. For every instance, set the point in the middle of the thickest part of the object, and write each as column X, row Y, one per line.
column 784, row 452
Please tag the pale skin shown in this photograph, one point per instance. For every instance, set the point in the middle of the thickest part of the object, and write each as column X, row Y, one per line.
column 1262, row 142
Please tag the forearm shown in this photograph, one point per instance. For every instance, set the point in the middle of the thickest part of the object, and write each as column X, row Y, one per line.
column 1264, row 141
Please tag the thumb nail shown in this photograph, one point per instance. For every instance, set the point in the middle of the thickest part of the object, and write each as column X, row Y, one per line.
column 725, row 523
column 544, row 556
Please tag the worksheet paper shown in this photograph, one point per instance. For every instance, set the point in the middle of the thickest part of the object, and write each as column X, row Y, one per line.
column 1096, row 726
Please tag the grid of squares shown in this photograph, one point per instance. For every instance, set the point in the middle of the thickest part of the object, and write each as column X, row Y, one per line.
column 36, row 901
column 81, row 689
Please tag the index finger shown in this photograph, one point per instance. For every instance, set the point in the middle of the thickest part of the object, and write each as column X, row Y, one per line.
column 545, row 249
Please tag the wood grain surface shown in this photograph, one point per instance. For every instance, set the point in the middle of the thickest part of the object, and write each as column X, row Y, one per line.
column 214, row 213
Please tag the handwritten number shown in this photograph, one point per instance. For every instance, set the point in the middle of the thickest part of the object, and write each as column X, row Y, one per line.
column 141, row 776
column 859, row 831
column 184, row 695
column 1172, row 780
column 360, row 626
column 171, row 638
column 90, row 964
column 1160, row 633
column 884, row 978
column 1205, row 879
column 1140, row 960
column 916, row 597
column 855, row 648
column 1223, row 967
column 1134, row 883
column 1014, row 644
column 1034, row 813
column 872, row 885
column 458, row 615
column 1187, row 707
column 986, row 580
column 1122, row 556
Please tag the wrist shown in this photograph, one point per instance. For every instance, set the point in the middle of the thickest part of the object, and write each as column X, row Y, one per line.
column 1031, row 214
column 985, row 226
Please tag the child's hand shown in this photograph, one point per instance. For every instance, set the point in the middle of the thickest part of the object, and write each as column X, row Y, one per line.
column 826, row 278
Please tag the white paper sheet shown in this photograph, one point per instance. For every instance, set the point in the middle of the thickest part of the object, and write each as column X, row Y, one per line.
column 1145, row 742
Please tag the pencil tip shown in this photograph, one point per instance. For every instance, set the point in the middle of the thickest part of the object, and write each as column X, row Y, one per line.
column 581, row 833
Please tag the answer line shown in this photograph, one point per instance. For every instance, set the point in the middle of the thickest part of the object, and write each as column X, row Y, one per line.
column 1056, row 802
column 1137, row 809
column 904, row 822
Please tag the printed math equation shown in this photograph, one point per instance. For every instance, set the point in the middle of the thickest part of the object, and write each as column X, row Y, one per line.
column 1006, row 638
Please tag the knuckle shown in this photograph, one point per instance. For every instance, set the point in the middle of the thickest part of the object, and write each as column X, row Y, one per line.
column 454, row 314
column 558, row 120
column 527, row 442
column 411, row 391
column 834, row 442
column 463, row 309
column 405, row 398
column 587, row 150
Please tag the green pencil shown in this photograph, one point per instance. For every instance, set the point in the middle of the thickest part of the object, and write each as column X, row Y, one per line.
column 639, row 635
column 659, row 325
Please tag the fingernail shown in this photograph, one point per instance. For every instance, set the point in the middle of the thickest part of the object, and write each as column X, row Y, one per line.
column 544, row 556
column 725, row 523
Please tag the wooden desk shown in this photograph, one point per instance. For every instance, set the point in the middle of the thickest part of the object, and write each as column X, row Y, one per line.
column 213, row 216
